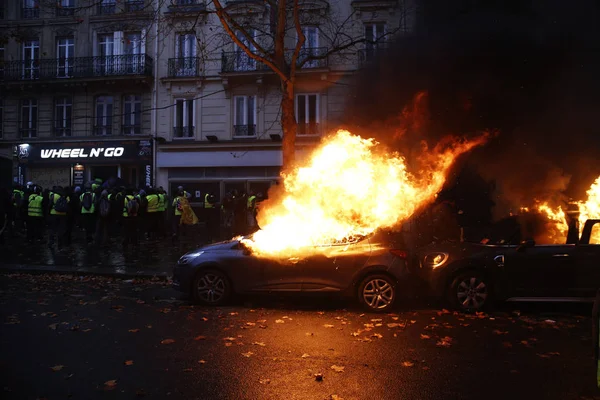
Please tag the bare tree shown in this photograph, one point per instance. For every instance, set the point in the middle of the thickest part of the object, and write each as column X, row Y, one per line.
column 281, row 47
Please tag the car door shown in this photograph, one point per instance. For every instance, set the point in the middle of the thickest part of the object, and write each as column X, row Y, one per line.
column 282, row 274
column 540, row 271
column 587, row 255
column 333, row 268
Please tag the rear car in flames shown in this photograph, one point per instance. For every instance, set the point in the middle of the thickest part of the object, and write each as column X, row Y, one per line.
column 471, row 275
column 369, row 268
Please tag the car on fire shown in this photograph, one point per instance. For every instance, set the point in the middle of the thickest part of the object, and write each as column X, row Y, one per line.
column 369, row 268
column 472, row 275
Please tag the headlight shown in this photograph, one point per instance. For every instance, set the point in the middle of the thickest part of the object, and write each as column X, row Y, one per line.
column 186, row 258
column 435, row 260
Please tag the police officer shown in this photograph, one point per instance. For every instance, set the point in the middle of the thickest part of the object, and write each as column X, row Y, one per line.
column 35, row 215
column 251, row 210
column 18, row 197
column 177, row 211
column 130, row 218
column 88, row 212
column 162, row 206
column 152, row 213
column 58, row 216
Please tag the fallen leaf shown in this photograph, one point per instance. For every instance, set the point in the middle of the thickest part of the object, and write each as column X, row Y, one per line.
column 305, row 355
column 395, row 318
column 335, row 397
column 250, row 323
column 111, row 384
column 264, row 381
column 261, row 344
column 57, row 368
column 407, row 364
column 279, row 321
column 229, row 339
column 201, row 362
column 86, row 330
column 52, row 326
column 412, row 321
column 337, row 368
column 446, row 341
column 248, row 354
column 328, row 326
column 377, row 335
column 261, row 321
column 149, row 326
column 499, row 332
column 228, row 344
column 167, row 341
column 129, row 362
column 233, row 313
column 204, row 319
column 200, row 337
column 356, row 333
column 425, row 336
column 134, row 330
column 376, row 320
column 393, row 325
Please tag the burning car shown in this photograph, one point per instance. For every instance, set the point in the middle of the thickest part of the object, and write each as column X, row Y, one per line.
column 369, row 268
column 471, row 275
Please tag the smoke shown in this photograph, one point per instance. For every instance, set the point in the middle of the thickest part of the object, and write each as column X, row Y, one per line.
column 527, row 71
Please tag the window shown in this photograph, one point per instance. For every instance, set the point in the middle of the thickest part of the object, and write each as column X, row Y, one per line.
column 185, row 118
column 132, row 114
column 30, row 9
column 185, row 63
column 65, row 50
column 134, row 49
column 134, row 5
column 63, row 111
column 29, row 111
column 242, row 61
column 310, row 47
column 374, row 37
column 31, row 54
column 65, row 8
column 244, row 116
column 105, row 61
column 307, row 114
column 107, row 7
column 104, row 115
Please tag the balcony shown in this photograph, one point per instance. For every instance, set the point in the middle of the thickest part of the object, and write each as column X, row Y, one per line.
column 135, row 5
column 65, row 11
column 371, row 53
column 186, row 6
column 184, row 67
column 183, row 132
column 28, row 133
column 62, row 132
column 244, row 130
column 131, row 129
column 311, row 128
column 77, row 68
column 238, row 61
column 30, row 12
column 103, row 130
column 106, row 9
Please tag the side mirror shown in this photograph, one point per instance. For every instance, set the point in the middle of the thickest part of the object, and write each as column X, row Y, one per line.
column 526, row 245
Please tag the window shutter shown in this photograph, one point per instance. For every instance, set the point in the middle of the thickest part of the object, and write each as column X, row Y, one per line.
column 143, row 42
column 118, row 44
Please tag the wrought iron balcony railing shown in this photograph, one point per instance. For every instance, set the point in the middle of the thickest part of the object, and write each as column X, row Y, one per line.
column 65, row 11
column 30, row 12
column 106, row 9
column 371, row 53
column 184, row 67
column 134, row 5
column 312, row 128
column 244, row 130
column 183, row 131
column 62, row 132
column 28, row 133
column 238, row 61
column 103, row 130
column 131, row 129
column 77, row 67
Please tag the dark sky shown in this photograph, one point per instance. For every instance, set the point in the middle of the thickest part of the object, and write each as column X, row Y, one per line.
column 527, row 69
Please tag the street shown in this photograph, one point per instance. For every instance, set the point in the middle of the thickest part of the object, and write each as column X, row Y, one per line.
column 97, row 338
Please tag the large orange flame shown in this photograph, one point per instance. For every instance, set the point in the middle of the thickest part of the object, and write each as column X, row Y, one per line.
column 590, row 209
column 348, row 188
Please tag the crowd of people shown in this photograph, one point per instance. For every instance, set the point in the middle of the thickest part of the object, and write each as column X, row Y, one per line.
column 104, row 210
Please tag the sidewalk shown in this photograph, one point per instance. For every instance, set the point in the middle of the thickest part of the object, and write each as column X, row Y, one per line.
column 149, row 259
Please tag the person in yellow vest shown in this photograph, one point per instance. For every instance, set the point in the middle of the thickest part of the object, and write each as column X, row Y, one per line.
column 152, row 213
column 35, row 215
column 96, row 184
column 59, row 206
column 88, row 201
column 251, row 210
column 162, row 206
column 15, row 211
column 131, row 207
column 177, row 211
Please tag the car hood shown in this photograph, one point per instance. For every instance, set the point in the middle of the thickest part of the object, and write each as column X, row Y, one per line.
column 220, row 246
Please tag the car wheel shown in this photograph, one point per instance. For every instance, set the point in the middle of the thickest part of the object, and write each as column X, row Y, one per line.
column 211, row 287
column 377, row 293
column 470, row 291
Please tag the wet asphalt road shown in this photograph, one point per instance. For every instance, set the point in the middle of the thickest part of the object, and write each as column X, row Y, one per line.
column 97, row 338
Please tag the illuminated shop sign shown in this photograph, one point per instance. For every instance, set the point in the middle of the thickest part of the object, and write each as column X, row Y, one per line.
column 83, row 153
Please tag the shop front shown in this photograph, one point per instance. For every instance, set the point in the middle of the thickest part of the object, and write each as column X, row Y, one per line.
column 127, row 162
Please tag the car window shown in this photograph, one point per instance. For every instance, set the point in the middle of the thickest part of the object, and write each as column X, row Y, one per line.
column 595, row 236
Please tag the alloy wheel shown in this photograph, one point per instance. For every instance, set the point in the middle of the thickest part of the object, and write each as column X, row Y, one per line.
column 378, row 293
column 211, row 288
column 471, row 293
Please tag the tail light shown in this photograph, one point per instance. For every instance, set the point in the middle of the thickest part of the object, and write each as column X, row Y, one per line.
column 399, row 253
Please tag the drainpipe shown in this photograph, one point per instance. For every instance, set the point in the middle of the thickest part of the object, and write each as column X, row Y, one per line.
column 155, row 94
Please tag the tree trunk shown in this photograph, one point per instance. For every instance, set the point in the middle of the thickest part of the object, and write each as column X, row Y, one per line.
column 288, row 126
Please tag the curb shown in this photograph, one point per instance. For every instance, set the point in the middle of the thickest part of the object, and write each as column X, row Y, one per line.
column 103, row 271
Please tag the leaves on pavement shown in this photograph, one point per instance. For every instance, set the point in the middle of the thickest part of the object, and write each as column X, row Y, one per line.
column 423, row 336
column 129, row 362
column 57, row 368
column 265, row 381
column 337, row 368
column 53, row 326
column 279, row 321
column 201, row 361
column 110, row 384
column 328, row 326
column 446, row 341
column 134, row 330
column 261, row 344
column 305, row 355
column 200, row 337
column 407, row 364
column 248, row 354
column 167, row 341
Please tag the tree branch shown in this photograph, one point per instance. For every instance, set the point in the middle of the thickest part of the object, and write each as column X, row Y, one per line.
column 299, row 43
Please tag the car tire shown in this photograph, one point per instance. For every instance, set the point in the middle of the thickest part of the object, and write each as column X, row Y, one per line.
column 470, row 291
column 211, row 287
column 377, row 293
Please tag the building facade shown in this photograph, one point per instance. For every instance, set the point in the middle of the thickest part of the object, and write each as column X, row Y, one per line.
column 76, row 83
column 156, row 93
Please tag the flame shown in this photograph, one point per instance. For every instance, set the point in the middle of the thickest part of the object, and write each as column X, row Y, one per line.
column 590, row 209
column 557, row 227
column 348, row 188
